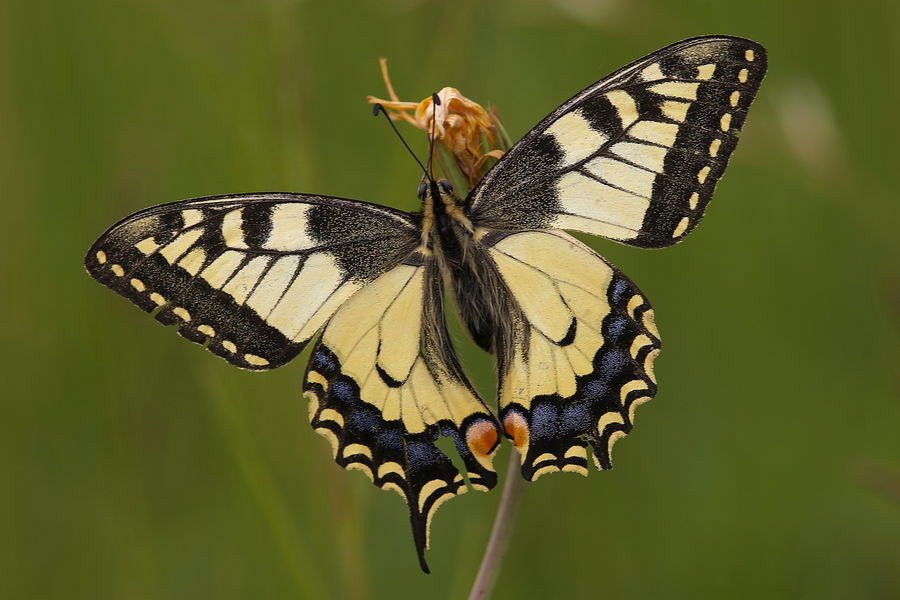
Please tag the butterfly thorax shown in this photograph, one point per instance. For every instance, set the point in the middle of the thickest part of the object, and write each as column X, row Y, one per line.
column 446, row 230
column 482, row 299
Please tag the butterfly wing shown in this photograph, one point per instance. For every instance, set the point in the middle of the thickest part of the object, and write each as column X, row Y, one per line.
column 252, row 276
column 634, row 157
column 583, row 341
column 384, row 383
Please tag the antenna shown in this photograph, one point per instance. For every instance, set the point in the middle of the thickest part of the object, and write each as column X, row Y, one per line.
column 435, row 102
column 426, row 169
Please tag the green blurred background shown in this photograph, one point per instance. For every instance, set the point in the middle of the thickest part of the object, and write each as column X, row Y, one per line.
column 134, row 465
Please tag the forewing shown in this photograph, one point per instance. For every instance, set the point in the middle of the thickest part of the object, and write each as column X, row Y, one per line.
column 384, row 384
column 584, row 341
column 634, row 157
column 252, row 276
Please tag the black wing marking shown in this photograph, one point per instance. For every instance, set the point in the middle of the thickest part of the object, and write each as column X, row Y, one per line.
column 254, row 276
column 384, row 383
column 634, row 157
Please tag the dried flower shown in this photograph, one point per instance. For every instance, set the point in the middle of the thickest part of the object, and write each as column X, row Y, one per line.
column 470, row 135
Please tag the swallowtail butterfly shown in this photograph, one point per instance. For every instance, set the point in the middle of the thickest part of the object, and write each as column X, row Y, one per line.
column 634, row 158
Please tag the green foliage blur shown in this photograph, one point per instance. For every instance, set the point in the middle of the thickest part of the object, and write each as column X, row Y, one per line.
column 135, row 465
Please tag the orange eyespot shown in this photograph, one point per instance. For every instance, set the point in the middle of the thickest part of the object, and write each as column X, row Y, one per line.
column 482, row 437
column 517, row 428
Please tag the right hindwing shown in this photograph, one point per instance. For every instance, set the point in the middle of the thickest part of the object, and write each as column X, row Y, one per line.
column 252, row 276
column 575, row 341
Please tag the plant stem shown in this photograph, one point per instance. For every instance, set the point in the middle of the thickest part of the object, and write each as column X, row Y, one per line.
column 496, row 548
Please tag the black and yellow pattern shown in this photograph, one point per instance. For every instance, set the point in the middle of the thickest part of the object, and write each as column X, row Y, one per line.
column 255, row 277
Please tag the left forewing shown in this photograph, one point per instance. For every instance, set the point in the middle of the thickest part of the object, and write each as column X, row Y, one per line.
column 383, row 385
column 583, row 352
column 251, row 276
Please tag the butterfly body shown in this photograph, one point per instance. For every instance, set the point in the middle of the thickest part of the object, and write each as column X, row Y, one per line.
column 257, row 277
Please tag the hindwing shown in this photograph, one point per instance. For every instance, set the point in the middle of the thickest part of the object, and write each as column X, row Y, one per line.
column 251, row 276
column 384, row 383
column 634, row 157
column 583, row 344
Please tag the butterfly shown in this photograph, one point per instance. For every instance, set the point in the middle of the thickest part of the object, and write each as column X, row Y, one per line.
column 255, row 278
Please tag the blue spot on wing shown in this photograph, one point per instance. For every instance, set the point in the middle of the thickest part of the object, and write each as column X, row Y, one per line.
column 391, row 439
column 422, row 455
column 615, row 328
column 324, row 362
column 363, row 420
column 544, row 421
column 596, row 390
column 613, row 362
column 576, row 419
column 618, row 290
column 343, row 391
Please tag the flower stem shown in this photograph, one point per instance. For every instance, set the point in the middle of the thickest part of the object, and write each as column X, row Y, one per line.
column 513, row 487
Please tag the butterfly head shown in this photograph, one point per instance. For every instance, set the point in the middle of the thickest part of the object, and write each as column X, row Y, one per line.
column 430, row 188
column 439, row 202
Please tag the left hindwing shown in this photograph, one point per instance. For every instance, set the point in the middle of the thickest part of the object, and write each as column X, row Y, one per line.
column 584, row 341
column 636, row 156
column 384, row 383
